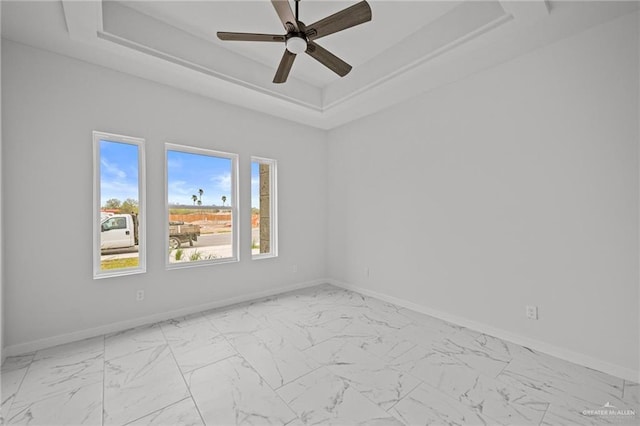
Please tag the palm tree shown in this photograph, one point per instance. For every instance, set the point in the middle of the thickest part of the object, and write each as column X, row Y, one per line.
column 200, row 191
column 194, row 197
column 224, row 200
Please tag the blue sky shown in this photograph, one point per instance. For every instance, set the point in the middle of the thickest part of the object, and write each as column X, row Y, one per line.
column 188, row 172
column 118, row 171
column 255, row 185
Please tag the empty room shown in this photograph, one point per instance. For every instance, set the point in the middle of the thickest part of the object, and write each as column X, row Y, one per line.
column 320, row 212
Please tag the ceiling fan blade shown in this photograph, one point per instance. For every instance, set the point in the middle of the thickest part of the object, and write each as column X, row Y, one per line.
column 285, row 66
column 328, row 59
column 354, row 15
column 249, row 37
column 283, row 9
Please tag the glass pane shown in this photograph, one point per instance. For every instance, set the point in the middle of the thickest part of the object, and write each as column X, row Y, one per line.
column 119, row 206
column 199, row 191
column 262, row 211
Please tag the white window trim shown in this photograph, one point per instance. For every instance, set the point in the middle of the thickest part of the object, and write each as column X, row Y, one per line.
column 235, row 231
column 142, row 228
column 273, row 206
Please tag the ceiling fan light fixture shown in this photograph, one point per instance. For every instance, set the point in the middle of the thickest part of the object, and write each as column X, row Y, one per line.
column 301, row 38
column 296, row 45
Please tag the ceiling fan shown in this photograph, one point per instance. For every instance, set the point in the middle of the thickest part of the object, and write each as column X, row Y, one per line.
column 301, row 38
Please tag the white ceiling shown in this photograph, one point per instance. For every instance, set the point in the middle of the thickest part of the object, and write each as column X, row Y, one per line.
column 408, row 48
column 393, row 22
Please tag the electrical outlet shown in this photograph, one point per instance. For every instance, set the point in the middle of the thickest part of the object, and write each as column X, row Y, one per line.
column 140, row 295
column 367, row 272
column 532, row 312
column 294, row 268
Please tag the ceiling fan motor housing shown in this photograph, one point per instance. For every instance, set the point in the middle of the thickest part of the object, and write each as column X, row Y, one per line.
column 296, row 44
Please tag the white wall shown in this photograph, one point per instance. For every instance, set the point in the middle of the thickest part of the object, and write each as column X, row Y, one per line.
column 2, row 353
column 51, row 106
column 517, row 186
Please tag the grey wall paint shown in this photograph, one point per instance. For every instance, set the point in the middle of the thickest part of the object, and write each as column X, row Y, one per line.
column 517, row 186
column 2, row 354
column 52, row 104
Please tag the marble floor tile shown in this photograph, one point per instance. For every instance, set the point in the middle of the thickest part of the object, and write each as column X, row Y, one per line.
column 61, row 370
column 12, row 363
column 558, row 382
column 428, row 406
column 196, row 343
column 13, row 371
column 182, row 413
column 177, row 324
column 62, row 386
column 383, row 314
column 504, row 403
column 231, row 392
column 234, row 321
column 369, row 375
column 140, row 383
column 81, row 405
column 386, row 346
column 433, row 323
column 300, row 334
column 274, row 305
column 133, row 340
column 563, row 415
column 10, row 382
column 459, row 344
column 277, row 361
column 503, row 350
column 323, row 398
column 631, row 395
column 320, row 355
column 377, row 340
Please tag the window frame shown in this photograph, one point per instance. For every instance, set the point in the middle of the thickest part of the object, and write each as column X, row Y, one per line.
column 273, row 206
column 98, row 273
column 234, row 204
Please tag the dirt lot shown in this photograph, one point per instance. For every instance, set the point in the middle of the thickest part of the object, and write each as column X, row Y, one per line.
column 210, row 223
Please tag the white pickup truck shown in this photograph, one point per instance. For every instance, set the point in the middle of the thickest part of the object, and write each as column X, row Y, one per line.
column 118, row 231
column 121, row 231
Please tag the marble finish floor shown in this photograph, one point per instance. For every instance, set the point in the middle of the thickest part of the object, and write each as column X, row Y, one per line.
column 319, row 356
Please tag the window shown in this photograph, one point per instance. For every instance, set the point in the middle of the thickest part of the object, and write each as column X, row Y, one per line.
column 119, row 221
column 201, row 206
column 114, row 223
column 263, row 208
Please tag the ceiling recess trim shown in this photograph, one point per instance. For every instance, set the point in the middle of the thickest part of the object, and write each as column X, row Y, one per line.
column 471, row 37
column 201, row 69
column 477, row 24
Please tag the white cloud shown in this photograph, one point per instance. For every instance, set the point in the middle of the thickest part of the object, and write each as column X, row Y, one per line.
column 223, row 182
column 112, row 169
column 179, row 192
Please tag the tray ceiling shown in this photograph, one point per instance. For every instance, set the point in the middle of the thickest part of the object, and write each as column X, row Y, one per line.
column 408, row 47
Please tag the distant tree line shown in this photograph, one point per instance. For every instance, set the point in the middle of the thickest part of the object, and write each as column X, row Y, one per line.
column 127, row 206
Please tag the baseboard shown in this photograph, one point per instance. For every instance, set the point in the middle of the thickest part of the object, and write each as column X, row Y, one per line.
column 35, row 345
column 537, row 345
